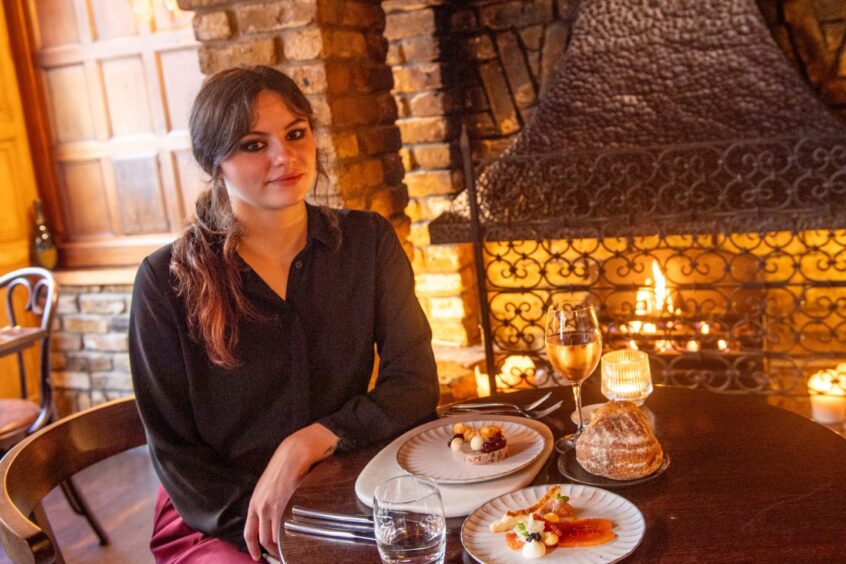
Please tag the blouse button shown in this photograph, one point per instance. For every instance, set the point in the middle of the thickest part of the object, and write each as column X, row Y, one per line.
column 298, row 264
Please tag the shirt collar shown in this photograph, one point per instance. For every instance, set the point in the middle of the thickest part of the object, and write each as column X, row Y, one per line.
column 322, row 226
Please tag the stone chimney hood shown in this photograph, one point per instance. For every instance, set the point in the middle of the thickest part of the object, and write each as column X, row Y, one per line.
column 666, row 114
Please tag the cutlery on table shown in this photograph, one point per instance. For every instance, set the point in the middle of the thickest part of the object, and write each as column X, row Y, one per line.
column 329, row 531
column 506, row 409
column 485, row 405
column 299, row 511
column 331, row 525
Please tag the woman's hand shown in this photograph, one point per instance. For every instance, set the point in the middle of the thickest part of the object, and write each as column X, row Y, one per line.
column 291, row 461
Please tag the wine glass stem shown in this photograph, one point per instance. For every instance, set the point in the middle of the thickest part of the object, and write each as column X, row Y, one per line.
column 577, row 394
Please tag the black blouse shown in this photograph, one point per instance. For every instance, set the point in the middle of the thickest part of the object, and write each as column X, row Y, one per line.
column 212, row 431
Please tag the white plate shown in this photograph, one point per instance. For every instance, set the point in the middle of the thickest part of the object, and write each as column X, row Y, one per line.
column 490, row 548
column 428, row 453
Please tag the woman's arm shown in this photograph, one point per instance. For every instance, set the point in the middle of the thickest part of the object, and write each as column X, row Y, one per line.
column 210, row 495
column 406, row 391
column 289, row 463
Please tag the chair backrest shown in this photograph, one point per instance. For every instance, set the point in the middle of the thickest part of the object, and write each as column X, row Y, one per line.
column 40, row 293
column 45, row 459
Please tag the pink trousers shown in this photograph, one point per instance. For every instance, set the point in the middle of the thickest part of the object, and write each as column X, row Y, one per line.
column 174, row 542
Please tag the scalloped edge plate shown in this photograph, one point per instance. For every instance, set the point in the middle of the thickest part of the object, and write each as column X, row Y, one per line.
column 427, row 453
column 490, row 548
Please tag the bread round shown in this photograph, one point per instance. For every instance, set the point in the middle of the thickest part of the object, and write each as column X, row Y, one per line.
column 619, row 444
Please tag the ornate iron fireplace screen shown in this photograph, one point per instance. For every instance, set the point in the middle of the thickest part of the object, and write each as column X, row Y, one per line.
column 681, row 175
column 749, row 237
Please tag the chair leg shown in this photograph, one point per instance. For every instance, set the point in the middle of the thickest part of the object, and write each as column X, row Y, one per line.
column 40, row 517
column 80, row 507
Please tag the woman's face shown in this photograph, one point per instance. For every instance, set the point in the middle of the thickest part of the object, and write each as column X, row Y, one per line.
column 274, row 165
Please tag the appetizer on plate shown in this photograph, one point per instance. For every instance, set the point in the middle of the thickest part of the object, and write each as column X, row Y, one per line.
column 549, row 524
column 483, row 446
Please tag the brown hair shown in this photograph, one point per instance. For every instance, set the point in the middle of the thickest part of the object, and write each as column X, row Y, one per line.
column 205, row 262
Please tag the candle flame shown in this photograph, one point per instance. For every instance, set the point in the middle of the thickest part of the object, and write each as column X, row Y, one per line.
column 830, row 382
column 483, row 384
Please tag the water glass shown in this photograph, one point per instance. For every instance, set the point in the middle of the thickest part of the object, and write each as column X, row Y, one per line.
column 626, row 376
column 409, row 523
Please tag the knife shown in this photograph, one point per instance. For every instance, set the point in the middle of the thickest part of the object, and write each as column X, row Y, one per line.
column 300, row 511
column 328, row 532
column 339, row 525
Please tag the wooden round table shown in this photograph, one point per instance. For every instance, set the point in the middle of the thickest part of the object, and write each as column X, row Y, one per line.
column 748, row 482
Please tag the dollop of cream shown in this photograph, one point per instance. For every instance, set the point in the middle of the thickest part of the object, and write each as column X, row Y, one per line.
column 477, row 442
column 534, row 549
column 456, row 444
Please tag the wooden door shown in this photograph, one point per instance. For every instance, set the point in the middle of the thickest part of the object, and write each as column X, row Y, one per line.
column 117, row 92
column 17, row 192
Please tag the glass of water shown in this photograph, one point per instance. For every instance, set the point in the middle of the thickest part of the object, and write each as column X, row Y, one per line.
column 409, row 522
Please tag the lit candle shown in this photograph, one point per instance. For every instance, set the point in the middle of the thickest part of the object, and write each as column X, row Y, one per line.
column 626, row 376
column 483, row 384
column 828, row 396
column 663, row 345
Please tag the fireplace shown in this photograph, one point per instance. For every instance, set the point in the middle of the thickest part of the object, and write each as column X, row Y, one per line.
column 703, row 216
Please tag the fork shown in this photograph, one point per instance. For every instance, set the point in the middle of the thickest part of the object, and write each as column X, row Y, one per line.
column 527, row 407
column 504, row 410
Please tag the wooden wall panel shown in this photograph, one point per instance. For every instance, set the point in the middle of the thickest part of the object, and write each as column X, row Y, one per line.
column 57, row 23
column 183, row 77
column 113, row 18
column 118, row 91
column 139, row 196
column 126, row 94
column 68, row 96
column 85, row 201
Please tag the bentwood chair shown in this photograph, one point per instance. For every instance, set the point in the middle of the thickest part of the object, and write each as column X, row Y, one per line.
column 49, row 457
column 31, row 295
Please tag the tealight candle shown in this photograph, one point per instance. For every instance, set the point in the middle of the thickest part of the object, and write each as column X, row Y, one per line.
column 626, row 376
column 828, row 396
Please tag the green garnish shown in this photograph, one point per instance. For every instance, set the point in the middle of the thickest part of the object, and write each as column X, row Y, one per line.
column 521, row 528
column 563, row 498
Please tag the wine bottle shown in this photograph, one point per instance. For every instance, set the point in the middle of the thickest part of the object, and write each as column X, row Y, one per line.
column 44, row 248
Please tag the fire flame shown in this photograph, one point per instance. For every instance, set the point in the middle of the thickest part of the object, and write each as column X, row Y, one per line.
column 654, row 297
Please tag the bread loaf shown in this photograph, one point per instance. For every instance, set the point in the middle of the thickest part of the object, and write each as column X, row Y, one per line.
column 618, row 443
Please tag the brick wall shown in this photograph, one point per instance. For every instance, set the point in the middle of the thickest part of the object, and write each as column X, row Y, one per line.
column 480, row 64
column 335, row 51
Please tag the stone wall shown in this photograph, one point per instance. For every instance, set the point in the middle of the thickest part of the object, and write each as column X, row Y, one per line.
column 90, row 362
column 812, row 33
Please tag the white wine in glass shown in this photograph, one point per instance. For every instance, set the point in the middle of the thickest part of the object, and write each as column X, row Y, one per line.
column 574, row 346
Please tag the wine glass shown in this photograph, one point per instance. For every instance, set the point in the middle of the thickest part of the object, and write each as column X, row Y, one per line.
column 573, row 345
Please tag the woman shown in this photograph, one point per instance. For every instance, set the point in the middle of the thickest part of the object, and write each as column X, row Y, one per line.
column 252, row 335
